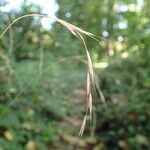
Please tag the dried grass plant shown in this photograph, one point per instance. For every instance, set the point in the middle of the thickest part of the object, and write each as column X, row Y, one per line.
column 91, row 85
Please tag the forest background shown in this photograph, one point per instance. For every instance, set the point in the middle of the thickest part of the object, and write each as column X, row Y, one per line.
column 43, row 77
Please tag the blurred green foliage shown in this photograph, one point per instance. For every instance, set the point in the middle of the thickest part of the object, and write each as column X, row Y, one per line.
column 42, row 77
column 125, row 123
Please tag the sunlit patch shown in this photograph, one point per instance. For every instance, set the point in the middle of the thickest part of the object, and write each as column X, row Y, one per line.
column 49, row 7
column 104, row 22
column 116, row 6
column 123, row 24
column 124, row 55
column 46, row 23
column 119, row 46
column 120, row 38
column 123, row 8
column 68, row 15
column 105, row 33
column 101, row 65
column 8, row 135
column 132, row 7
column 140, row 4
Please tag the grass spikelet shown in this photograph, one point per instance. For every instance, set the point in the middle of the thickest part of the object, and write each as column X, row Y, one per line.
column 83, row 126
column 72, row 28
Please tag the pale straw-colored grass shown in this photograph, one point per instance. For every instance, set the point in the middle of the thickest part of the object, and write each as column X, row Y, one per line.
column 91, row 84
